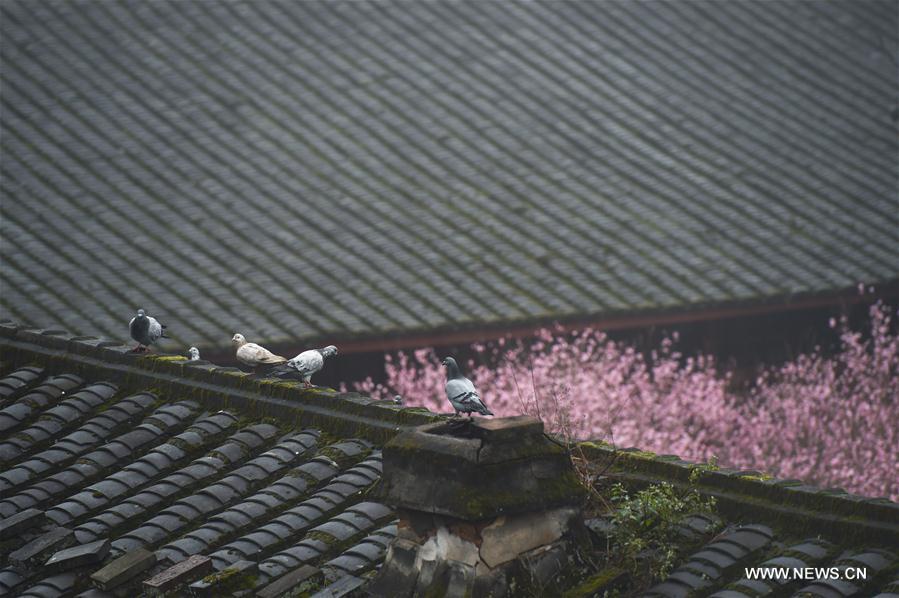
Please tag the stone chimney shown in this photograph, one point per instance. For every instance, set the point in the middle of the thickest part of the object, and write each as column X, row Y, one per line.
column 484, row 506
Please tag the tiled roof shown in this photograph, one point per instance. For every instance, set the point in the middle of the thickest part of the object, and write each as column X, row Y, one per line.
column 349, row 169
column 769, row 522
column 95, row 465
column 706, row 570
column 174, row 472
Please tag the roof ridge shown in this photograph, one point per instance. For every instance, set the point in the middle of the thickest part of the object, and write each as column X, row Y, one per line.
column 745, row 493
column 348, row 414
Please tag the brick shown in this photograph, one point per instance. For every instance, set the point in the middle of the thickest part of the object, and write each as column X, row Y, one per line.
column 123, row 569
column 178, row 575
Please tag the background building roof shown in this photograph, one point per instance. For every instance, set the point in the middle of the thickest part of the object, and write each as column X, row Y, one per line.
column 310, row 169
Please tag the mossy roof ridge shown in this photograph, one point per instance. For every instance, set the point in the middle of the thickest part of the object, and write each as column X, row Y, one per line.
column 789, row 504
column 695, row 155
column 287, row 401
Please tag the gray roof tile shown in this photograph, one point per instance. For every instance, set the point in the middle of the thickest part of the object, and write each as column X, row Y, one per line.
column 17, row 382
column 681, row 176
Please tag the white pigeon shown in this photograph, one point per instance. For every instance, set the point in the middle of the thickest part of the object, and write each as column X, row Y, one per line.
column 462, row 394
column 146, row 330
column 254, row 355
column 194, row 354
column 311, row 361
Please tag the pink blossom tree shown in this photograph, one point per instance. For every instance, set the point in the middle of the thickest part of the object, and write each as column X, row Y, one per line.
column 827, row 419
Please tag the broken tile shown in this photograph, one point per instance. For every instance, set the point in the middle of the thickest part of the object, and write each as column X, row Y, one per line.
column 123, row 569
column 79, row 556
column 42, row 547
column 24, row 520
column 178, row 575
column 304, row 576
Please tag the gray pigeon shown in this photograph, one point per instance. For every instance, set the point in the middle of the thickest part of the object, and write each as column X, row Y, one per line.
column 311, row 361
column 461, row 392
column 146, row 330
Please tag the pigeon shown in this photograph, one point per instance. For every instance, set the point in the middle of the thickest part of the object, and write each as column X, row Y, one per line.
column 194, row 354
column 398, row 399
column 311, row 361
column 146, row 330
column 461, row 392
column 254, row 355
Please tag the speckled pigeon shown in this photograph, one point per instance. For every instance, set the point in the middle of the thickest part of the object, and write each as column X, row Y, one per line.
column 254, row 355
column 146, row 330
column 311, row 361
column 461, row 392
column 194, row 354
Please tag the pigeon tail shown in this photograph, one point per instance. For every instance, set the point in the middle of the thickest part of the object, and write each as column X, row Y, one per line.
column 272, row 360
column 480, row 408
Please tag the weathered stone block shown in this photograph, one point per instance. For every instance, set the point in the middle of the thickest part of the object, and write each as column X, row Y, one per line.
column 510, row 536
column 79, row 556
column 479, row 469
column 458, row 579
column 124, row 569
column 399, row 574
column 539, row 567
column 447, row 546
column 473, row 497
column 225, row 582
column 302, row 579
column 42, row 547
column 16, row 524
column 178, row 575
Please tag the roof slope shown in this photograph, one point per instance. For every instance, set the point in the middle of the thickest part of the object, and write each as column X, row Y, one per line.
column 105, row 458
column 297, row 170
